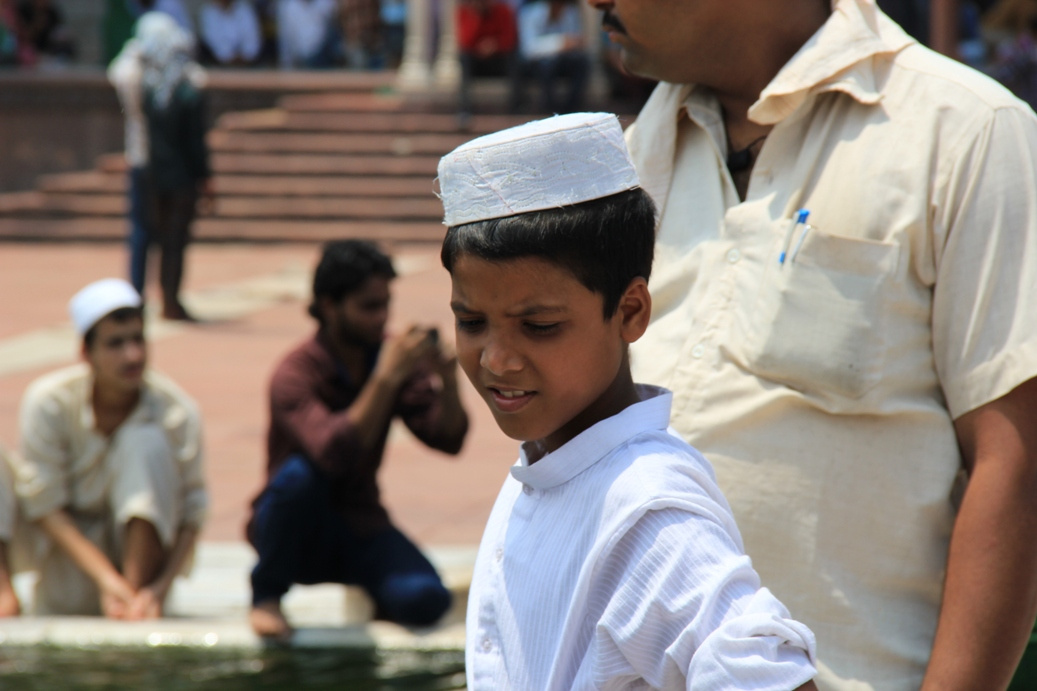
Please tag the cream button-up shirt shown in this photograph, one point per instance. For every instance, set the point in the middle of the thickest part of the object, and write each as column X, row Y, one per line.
column 823, row 389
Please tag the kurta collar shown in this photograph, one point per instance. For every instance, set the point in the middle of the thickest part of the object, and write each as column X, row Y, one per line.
column 652, row 413
column 144, row 411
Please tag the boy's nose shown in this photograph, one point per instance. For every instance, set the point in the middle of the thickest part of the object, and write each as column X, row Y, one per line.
column 498, row 359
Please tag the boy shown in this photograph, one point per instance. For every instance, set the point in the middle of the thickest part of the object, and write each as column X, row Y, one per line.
column 610, row 559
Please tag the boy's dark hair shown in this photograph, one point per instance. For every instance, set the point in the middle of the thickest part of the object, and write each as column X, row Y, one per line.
column 605, row 243
column 119, row 316
column 343, row 268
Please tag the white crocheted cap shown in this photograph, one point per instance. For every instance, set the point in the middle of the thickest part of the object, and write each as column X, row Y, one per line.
column 544, row 164
column 99, row 299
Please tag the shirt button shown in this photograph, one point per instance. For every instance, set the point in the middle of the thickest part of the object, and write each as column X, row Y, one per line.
column 698, row 351
column 487, row 644
column 733, row 256
column 527, row 489
column 499, row 554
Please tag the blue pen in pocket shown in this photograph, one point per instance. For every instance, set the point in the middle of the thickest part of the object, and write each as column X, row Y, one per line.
column 800, row 219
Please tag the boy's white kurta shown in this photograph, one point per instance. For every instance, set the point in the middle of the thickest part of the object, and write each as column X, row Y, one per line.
column 614, row 562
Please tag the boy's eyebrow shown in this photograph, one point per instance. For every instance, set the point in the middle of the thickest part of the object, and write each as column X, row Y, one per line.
column 532, row 310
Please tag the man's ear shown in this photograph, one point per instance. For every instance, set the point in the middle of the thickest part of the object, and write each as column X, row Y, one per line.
column 635, row 310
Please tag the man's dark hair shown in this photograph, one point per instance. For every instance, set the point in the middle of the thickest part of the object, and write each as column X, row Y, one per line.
column 605, row 243
column 119, row 316
column 343, row 268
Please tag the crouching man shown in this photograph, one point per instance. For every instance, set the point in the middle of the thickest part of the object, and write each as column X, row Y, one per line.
column 109, row 474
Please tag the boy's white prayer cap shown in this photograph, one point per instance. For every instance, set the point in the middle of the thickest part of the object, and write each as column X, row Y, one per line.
column 99, row 299
column 544, row 164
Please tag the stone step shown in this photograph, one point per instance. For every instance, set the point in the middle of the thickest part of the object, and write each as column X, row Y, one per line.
column 100, row 182
column 401, row 123
column 303, row 164
column 206, row 229
column 236, row 141
column 257, row 207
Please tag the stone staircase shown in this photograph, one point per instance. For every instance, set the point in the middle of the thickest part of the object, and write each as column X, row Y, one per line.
column 318, row 166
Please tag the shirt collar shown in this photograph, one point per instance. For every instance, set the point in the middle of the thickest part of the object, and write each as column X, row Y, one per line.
column 651, row 413
column 146, row 409
column 836, row 58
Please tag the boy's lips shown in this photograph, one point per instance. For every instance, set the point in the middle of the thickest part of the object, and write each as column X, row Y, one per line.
column 509, row 400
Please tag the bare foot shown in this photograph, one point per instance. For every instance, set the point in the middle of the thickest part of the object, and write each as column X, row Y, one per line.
column 268, row 620
column 9, row 603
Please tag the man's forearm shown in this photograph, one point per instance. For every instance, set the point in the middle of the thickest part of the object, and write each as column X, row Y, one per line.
column 990, row 591
column 453, row 420
column 182, row 548
column 87, row 556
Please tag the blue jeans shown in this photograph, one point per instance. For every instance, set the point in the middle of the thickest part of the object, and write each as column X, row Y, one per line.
column 139, row 237
column 301, row 538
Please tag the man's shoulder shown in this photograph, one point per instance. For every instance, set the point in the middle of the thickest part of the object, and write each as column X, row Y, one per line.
column 945, row 81
column 61, row 384
column 307, row 357
column 308, row 352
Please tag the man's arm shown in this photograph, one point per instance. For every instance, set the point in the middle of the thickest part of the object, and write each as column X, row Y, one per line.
column 443, row 423
column 149, row 600
column 990, row 593
column 330, row 437
column 9, row 606
column 116, row 592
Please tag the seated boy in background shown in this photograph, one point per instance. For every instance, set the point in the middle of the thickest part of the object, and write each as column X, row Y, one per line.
column 611, row 559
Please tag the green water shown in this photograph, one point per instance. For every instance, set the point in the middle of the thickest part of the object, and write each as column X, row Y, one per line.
column 47, row 668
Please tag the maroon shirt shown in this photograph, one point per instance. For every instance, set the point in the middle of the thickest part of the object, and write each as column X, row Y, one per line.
column 309, row 394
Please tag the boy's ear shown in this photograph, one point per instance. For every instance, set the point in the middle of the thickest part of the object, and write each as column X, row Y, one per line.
column 635, row 310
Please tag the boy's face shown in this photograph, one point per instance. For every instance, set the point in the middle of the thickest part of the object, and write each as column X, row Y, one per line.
column 118, row 354
column 359, row 318
column 532, row 340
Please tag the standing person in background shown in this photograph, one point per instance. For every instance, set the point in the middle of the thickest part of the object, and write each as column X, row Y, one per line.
column 44, row 28
column 125, row 74
column 320, row 517
column 176, row 10
column 844, row 291
column 394, row 30
column 178, row 157
column 487, row 46
column 307, row 34
column 230, row 32
column 362, row 31
column 552, row 45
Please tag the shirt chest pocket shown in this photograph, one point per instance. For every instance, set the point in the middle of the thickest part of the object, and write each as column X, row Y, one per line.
column 818, row 322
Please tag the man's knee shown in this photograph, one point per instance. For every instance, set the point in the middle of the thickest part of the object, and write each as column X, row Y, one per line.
column 295, row 480
column 417, row 599
column 144, row 483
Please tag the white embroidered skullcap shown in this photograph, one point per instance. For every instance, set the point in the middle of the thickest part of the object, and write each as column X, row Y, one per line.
column 99, row 299
column 544, row 164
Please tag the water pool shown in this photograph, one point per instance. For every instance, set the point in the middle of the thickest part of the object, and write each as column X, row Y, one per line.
column 47, row 668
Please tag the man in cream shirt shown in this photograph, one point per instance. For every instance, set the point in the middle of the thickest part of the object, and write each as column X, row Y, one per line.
column 847, row 371
column 109, row 474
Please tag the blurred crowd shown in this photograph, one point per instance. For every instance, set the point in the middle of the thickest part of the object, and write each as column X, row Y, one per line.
column 525, row 41
column 353, row 34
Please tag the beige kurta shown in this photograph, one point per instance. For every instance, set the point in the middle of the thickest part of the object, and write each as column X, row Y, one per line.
column 824, row 389
column 150, row 468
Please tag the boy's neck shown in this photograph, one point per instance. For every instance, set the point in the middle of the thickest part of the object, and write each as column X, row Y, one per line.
column 620, row 395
